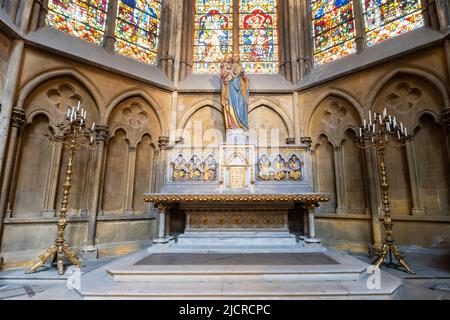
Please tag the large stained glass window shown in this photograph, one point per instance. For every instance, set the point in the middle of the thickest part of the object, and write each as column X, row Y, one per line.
column 258, row 35
column 85, row 19
column 137, row 29
column 333, row 29
column 385, row 19
column 212, row 34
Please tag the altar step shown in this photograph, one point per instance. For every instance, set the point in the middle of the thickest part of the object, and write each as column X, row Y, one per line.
column 124, row 279
column 237, row 238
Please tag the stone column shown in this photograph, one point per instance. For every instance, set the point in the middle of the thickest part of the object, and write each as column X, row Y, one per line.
column 161, row 224
column 52, row 180
column 11, row 7
column 373, row 184
column 292, row 39
column 359, row 25
column 17, row 121
column 9, row 93
column 446, row 121
column 90, row 251
column 311, row 239
column 340, row 181
column 129, row 182
column 24, row 15
column 163, row 143
column 414, row 176
column 110, row 39
column 443, row 14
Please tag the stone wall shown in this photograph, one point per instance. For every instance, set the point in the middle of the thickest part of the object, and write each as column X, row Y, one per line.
column 143, row 111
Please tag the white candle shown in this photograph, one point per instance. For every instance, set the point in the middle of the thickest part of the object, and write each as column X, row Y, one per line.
column 395, row 122
column 384, row 112
column 406, row 132
column 373, row 127
column 401, row 127
column 388, row 127
column 360, row 132
column 379, row 118
column 365, row 123
column 398, row 135
column 93, row 126
column 78, row 105
column 370, row 117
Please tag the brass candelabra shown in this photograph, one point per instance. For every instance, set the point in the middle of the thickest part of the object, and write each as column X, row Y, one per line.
column 68, row 132
column 378, row 133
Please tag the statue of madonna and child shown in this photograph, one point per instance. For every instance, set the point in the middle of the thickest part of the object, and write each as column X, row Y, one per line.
column 234, row 94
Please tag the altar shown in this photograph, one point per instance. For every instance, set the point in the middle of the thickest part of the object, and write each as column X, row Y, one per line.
column 260, row 219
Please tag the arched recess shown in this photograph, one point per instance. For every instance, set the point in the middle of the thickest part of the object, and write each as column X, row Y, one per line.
column 52, row 97
column 130, row 155
column 115, row 173
column 434, row 165
column 287, row 121
column 267, row 126
column 353, row 174
column 324, row 172
column 36, row 80
column 407, row 93
column 203, row 124
column 149, row 101
column 336, row 118
column 33, row 163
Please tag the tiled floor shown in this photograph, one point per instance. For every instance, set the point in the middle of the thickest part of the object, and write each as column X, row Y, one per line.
column 431, row 281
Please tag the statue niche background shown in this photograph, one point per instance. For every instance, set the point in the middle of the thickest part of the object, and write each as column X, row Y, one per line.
column 234, row 93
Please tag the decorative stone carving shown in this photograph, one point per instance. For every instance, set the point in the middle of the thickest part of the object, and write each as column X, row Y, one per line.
column 195, row 170
column 237, row 220
column 278, row 169
column 334, row 114
column 62, row 96
column 163, row 143
column 135, row 115
column 17, row 118
column 446, row 117
column 404, row 97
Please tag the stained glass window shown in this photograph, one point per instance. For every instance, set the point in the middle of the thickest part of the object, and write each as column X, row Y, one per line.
column 333, row 29
column 258, row 35
column 85, row 19
column 212, row 34
column 137, row 29
column 385, row 19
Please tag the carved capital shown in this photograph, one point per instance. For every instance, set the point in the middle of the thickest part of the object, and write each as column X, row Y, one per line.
column 307, row 141
column 17, row 118
column 163, row 143
column 102, row 132
column 132, row 148
column 290, row 140
column 446, row 117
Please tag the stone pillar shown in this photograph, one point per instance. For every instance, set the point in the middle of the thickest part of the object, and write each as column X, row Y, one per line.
column 163, row 143
column 446, row 121
column 110, row 39
column 340, row 181
column 311, row 239
column 414, row 176
column 161, row 224
column 359, row 25
column 17, row 121
column 292, row 39
column 373, row 184
column 305, row 58
column 129, row 183
column 443, row 14
column 11, row 7
column 90, row 251
column 24, row 15
column 9, row 93
column 52, row 181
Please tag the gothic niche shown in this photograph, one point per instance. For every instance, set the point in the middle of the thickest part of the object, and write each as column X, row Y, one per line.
column 130, row 152
column 195, row 170
column 279, row 169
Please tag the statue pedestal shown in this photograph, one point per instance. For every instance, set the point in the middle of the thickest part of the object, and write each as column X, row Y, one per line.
column 236, row 136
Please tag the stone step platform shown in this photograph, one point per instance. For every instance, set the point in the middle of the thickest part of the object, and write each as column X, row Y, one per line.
column 219, row 265
column 137, row 276
column 232, row 238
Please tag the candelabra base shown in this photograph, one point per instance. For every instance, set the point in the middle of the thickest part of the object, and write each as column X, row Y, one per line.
column 391, row 248
column 58, row 252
